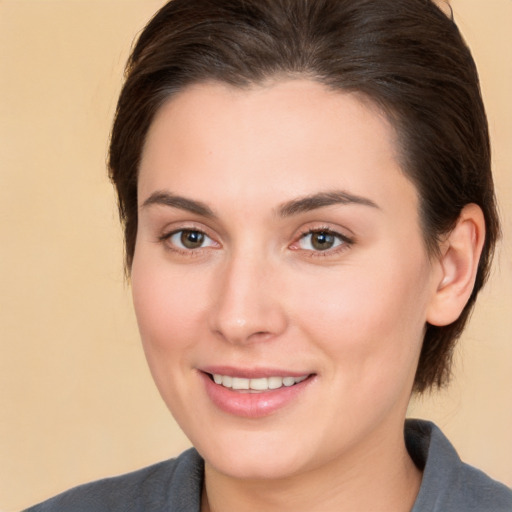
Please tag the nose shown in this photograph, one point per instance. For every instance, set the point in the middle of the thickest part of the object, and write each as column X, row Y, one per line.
column 246, row 305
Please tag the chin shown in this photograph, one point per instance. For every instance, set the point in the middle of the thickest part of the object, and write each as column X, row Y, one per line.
column 254, row 455
column 256, row 466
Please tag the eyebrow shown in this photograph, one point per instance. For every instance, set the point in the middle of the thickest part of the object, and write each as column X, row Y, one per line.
column 288, row 209
column 321, row 200
column 167, row 199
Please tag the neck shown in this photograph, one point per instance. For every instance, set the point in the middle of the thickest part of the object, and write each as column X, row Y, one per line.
column 381, row 477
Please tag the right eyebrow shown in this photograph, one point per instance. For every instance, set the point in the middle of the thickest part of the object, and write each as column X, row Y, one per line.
column 321, row 200
column 163, row 198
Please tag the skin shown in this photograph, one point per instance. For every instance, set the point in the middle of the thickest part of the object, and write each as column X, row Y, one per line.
column 257, row 294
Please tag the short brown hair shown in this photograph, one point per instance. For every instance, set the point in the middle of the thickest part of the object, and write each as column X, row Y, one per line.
column 404, row 55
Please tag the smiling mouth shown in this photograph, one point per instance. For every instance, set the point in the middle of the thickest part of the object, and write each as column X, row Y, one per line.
column 256, row 385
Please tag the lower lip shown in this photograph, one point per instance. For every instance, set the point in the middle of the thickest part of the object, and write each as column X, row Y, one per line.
column 252, row 405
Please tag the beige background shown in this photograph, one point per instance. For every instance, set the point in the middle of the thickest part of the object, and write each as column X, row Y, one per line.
column 76, row 400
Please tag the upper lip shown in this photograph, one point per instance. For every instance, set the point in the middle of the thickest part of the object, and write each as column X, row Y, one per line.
column 252, row 373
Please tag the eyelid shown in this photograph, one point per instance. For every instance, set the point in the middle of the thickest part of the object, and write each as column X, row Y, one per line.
column 337, row 241
column 175, row 229
column 173, row 235
column 169, row 231
column 347, row 241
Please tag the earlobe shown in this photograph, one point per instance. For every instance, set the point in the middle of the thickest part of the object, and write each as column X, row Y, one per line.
column 458, row 262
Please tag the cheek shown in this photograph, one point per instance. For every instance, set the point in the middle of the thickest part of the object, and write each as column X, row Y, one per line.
column 167, row 304
column 369, row 318
column 169, row 308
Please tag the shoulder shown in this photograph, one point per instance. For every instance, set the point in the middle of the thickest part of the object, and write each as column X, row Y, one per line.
column 175, row 483
column 450, row 485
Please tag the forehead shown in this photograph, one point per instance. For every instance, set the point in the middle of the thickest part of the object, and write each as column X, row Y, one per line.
column 297, row 135
column 295, row 102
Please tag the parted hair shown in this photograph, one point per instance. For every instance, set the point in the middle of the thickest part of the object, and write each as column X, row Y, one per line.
column 405, row 56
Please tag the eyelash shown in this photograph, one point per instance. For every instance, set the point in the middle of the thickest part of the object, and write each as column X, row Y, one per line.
column 170, row 246
column 344, row 242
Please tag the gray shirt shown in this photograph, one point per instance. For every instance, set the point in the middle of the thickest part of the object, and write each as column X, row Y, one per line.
column 175, row 485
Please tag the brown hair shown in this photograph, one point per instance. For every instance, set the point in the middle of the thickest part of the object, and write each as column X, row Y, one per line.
column 405, row 55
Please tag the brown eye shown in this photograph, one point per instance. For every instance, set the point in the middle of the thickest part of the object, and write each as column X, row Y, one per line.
column 192, row 239
column 320, row 241
column 189, row 239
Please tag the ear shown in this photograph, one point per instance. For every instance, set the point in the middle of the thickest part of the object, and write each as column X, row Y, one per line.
column 445, row 7
column 458, row 264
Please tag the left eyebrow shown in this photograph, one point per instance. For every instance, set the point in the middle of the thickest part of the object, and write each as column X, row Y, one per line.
column 182, row 203
column 320, row 200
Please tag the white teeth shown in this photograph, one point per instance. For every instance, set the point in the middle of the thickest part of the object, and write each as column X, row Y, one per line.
column 260, row 384
column 274, row 382
column 239, row 383
column 288, row 381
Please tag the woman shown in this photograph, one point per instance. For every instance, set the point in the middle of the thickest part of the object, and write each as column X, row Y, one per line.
column 309, row 216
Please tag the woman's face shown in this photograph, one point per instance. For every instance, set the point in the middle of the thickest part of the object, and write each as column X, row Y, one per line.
column 279, row 249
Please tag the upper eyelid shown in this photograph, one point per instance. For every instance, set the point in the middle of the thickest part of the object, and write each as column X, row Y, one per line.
column 173, row 233
column 176, row 227
column 324, row 230
column 344, row 239
column 169, row 233
column 327, row 254
column 166, row 226
column 345, row 234
column 165, row 240
column 341, row 232
column 346, row 242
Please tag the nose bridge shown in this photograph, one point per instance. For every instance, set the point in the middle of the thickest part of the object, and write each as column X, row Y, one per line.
column 246, row 306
